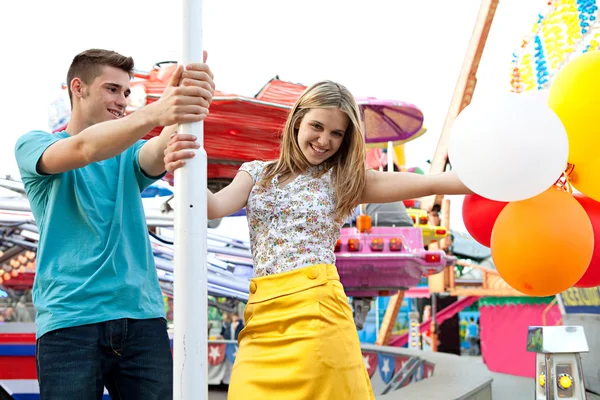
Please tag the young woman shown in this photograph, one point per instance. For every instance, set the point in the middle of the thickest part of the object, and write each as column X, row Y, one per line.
column 300, row 341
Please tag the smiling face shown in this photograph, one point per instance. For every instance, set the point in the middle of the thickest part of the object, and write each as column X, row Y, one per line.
column 324, row 128
column 321, row 133
column 105, row 98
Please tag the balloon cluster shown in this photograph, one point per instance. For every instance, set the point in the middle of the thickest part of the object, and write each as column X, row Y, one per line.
column 564, row 29
column 521, row 154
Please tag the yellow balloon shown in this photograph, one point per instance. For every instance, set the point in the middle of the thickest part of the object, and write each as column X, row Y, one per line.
column 586, row 178
column 574, row 98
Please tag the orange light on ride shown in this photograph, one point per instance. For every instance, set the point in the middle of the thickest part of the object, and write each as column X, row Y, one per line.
column 440, row 232
column 545, row 255
column 377, row 244
column 338, row 246
column 395, row 244
column 423, row 220
column 353, row 245
column 433, row 257
column 363, row 223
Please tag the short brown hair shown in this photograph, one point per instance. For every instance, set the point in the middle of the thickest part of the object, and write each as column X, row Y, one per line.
column 88, row 64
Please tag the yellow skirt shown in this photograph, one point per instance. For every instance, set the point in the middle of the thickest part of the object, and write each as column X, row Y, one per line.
column 299, row 341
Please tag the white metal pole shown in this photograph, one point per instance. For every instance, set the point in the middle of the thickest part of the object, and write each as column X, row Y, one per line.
column 190, row 288
column 390, row 156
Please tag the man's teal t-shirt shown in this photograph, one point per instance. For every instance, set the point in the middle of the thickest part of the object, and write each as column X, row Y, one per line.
column 94, row 260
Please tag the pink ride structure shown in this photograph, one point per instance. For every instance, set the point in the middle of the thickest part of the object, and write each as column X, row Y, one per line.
column 381, row 261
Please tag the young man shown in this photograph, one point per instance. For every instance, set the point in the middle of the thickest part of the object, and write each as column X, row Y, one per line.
column 232, row 326
column 100, row 315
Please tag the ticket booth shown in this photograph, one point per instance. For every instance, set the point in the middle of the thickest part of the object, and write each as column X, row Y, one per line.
column 558, row 368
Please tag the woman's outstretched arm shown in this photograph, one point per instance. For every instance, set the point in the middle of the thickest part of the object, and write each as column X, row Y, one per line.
column 223, row 203
column 386, row 187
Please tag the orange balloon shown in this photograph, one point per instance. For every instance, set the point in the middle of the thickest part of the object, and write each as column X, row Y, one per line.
column 543, row 245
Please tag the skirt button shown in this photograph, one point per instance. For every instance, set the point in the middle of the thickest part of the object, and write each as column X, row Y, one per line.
column 313, row 272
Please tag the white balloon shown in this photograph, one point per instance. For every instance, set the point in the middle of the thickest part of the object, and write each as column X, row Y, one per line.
column 539, row 95
column 509, row 147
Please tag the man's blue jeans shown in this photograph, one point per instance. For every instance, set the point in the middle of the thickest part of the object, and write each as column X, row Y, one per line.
column 131, row 358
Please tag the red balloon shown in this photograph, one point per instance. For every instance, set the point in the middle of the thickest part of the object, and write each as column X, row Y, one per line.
column 591, row 278
column 479, row 215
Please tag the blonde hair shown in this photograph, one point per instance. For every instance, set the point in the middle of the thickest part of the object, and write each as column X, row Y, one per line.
column 348, row 162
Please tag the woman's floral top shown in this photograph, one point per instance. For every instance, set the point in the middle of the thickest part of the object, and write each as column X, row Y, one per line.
column 292, row 226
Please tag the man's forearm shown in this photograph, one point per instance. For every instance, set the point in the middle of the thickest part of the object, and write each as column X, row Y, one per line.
column 151, row 156
column 109, row 139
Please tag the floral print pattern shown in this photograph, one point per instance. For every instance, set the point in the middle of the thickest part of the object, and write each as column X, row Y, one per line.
column 292, row 226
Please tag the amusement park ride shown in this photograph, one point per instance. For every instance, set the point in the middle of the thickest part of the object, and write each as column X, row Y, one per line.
column 373, row 260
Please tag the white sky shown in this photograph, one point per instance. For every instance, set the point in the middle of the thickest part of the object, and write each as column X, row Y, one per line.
column 410, row 50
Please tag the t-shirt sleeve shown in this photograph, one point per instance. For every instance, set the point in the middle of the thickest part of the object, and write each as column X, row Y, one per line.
column 28, row 151
column 143, row 180
column 254, row 168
